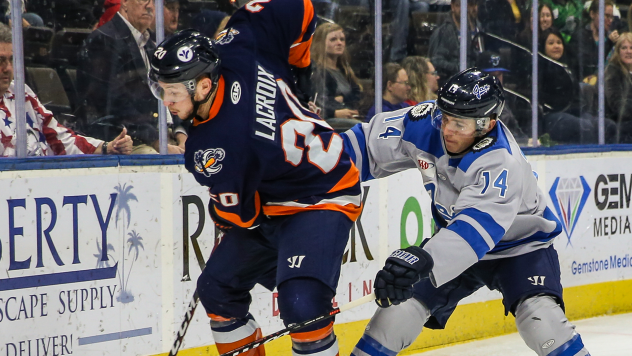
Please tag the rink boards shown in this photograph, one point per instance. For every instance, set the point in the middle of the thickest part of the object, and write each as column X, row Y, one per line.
column 100, row 257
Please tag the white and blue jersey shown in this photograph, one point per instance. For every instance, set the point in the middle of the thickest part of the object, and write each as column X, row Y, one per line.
column 486, row 201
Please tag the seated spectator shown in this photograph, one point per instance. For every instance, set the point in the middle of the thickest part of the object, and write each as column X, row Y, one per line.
column 112, row 79
column 111, row 8
column 566, row 15
column 334, row 85
column 502, row 17
column 395, row 89
column 619, row 88
column 545, row 19
column 584, row 44
column 423, row 79
column 490, row 62
column 559, row 94
column 444, row 44
column 45, row 136
column 170, row 15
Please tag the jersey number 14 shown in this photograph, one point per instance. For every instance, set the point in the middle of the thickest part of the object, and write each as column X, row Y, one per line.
column 500, row 183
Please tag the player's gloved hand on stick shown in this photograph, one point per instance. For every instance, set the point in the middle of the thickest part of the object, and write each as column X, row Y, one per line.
column 220, row 223
column 405, row 267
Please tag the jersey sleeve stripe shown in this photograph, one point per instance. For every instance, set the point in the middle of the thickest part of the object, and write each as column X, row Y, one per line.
column 236, row 219
column 349, row 180
column 352, row 211
column 468, row 233
column 300, row 50
column 217, row 103
column 486, row 221
column 479, row 228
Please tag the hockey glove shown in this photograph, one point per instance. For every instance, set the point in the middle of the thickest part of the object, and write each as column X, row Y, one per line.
column 220, row 223
column 394, row 283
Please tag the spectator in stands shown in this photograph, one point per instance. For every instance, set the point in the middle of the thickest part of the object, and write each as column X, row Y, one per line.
column 566, row 15
column 585, row 42
column 112, row 78
column 45, row 136
column 545, row 19
column 490, row 62
column 559, row 94
column 334, row 85
column 619, row 88
column 423, row 79
column 170, row 15
column 503, row 18
column 444, row 42
column 111, row 8
column 395, row 89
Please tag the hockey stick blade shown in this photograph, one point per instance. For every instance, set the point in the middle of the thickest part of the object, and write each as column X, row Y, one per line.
column 294, row 327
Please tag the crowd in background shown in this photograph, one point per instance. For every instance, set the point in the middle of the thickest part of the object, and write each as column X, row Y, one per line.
column 103, row 72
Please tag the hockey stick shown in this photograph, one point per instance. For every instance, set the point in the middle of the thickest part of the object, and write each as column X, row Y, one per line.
column 188, row 316
column 294, row 327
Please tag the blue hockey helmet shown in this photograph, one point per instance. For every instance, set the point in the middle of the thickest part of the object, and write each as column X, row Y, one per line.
column 181, row 59
column 470, row 94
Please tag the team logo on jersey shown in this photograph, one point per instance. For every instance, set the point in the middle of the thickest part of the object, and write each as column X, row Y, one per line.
column 235, row 92
column 420, row 111
column 185, row 54
column 569, row 195
column 484, row 143
column 480, row 91
column 548, row 344
column 207, row 161
column 226, row 36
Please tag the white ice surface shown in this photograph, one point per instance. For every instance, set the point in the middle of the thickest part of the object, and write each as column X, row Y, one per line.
column 603, row 336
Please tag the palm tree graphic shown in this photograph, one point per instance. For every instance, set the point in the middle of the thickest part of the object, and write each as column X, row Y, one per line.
column 134, row 242
column 125, row 196
column 100, row 262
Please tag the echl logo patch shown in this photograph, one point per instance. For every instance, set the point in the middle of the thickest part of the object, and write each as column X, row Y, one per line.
column 484, row 143
column 226, row 36
column 420, row 111
column 207, row 162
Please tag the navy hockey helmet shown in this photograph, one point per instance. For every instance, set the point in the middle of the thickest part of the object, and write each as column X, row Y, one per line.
column 181, row 59
column 470, row 94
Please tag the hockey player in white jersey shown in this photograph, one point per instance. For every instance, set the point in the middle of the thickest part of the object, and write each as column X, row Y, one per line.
column 495, row 229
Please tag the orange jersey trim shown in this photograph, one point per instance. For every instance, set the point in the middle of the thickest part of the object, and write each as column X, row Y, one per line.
column 300, row 53
column 349, row 180
column 235, row 219
column 350, row 210
column 217, row 102
column 315, row 335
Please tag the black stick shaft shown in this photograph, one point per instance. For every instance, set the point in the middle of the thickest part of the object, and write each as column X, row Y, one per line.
column 185, row 324
column 298, row 326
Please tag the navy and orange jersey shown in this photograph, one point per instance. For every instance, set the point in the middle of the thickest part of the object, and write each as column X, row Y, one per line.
column 260, row 151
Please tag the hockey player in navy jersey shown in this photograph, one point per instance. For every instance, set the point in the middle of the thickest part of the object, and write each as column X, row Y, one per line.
column 282, row 187
column 495, row 229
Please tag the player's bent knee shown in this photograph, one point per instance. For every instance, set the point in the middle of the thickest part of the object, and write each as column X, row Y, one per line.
column 302, row 299
column 544, row 327
column 220, row 299
column 392, row 329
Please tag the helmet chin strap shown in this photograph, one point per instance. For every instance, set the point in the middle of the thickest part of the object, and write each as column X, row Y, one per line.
column 198, row 103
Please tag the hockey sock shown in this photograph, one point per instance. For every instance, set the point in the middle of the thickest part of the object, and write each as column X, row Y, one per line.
column 231, row 333
column 322, row 342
